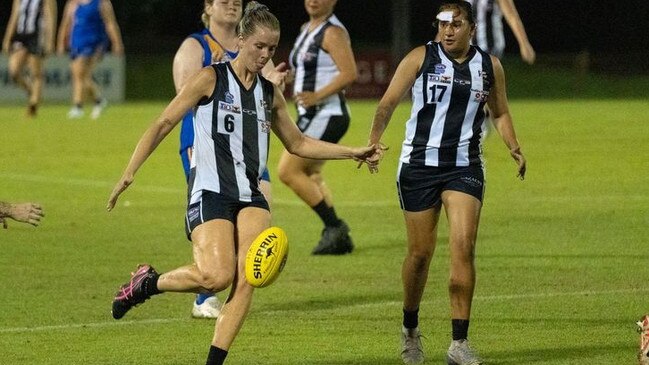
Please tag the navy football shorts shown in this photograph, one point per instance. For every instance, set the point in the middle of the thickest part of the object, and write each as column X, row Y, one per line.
column 213, row 205
column 421, row 187
column 30, row 42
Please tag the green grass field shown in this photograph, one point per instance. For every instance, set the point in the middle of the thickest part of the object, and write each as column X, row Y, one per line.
column 562, row 271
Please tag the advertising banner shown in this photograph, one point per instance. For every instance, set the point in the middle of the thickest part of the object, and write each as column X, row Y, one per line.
column 109, row 74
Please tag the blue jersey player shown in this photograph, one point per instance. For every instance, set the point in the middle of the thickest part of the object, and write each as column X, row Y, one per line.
column 88, row 29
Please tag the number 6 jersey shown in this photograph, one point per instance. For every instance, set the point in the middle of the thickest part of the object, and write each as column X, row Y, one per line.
column 232, row 130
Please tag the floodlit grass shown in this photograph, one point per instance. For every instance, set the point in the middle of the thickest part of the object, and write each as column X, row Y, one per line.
column 562, row 270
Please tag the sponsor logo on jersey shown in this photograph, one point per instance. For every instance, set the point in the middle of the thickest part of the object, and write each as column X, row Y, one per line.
column 480, row 96
column 439, row 78
column 264, row 125
column 462, row 81
column 440, row 68
column 229, row 98
column 249, row 111
column 229, row 107
column 485, row 76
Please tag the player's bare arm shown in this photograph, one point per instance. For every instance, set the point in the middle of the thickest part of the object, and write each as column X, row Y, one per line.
column 64, row 27
column 11, row 26
column 403, row 79
column 502, row 119
column 187, row 62
column 516, row 24
column 306, row 147
column 198, row 87
column 112, row 29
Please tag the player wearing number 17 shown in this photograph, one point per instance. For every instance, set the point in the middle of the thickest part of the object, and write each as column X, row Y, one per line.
column 236, row 108
column 441, row 164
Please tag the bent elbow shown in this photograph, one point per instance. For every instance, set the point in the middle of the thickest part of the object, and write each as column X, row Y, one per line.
column 292, row 148
column 351, row 77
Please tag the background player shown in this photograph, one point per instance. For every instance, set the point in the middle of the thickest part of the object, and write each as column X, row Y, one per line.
column 323, row 64
column 88, row 29
column 28, row 39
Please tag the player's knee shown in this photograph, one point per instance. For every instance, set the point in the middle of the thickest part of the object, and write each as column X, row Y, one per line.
column 285, row 175
column 215, row 282
column 419, row 259
column 14, row 75
column 316, row 177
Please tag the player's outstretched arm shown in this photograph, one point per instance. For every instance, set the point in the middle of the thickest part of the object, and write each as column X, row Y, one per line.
column 306, row 147
column 199, row 86
column 403, row 79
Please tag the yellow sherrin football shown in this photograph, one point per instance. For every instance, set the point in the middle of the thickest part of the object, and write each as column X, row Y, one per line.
column 266, row 257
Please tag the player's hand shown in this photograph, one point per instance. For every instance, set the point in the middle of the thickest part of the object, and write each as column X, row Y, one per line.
column 527, row 54
column 373, row 160
column 290, row 76
column 517, row 155
column 278, row 75
column 121, row 185
column 118, row 50
column 362, row 154
column 30, row 213
column 306, row 99
column 217, row 55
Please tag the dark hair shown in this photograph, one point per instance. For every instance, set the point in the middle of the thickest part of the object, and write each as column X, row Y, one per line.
column 256, row 14
column 463, row 6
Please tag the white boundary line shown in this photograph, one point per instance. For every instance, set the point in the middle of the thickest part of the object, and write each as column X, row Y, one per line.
column 489, row 298
column 294, row 202
column 160, row 189
column 85, row 325
column 10, row 330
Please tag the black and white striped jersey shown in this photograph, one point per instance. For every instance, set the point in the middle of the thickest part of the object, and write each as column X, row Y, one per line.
column 29, row 17
column 314, row 67
column 447, row 117
column 489, row 34
column 232, row 130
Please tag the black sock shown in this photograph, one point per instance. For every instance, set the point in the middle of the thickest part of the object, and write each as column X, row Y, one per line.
column 327, row 214
column 460, row 329
column 79, row 105
column 216, row 356
column 411, row 318
column 151, row 286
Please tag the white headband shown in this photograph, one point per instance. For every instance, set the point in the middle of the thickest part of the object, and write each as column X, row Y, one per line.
column 445, row 16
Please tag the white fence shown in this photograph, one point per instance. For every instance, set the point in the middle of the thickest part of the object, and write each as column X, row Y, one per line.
column 109, row 74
